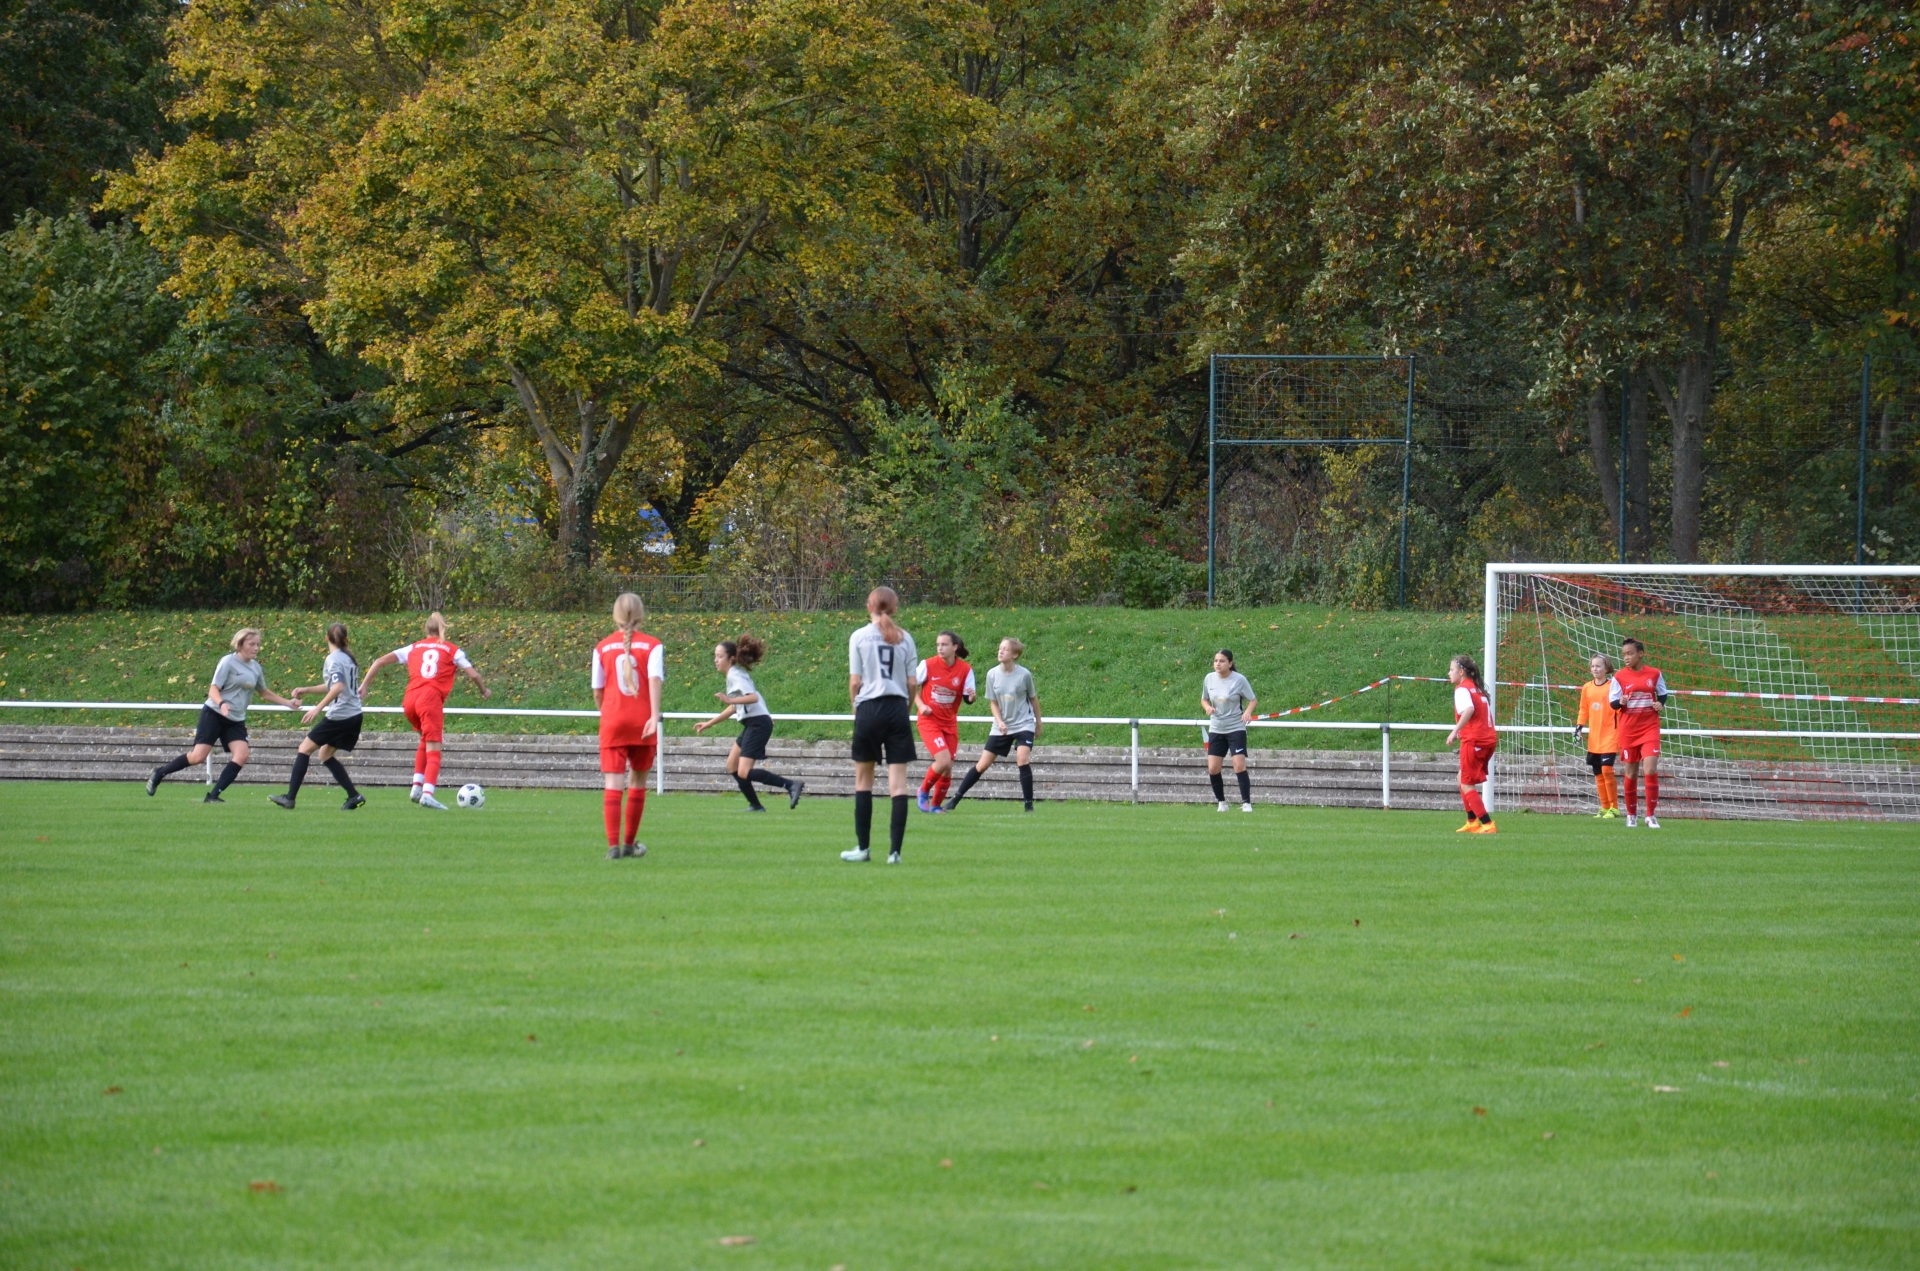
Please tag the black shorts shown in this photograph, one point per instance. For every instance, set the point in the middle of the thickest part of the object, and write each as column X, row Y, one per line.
column 754, row 731
column 1224, row 744
column 880, row 727
column 1598, row 759
column 214, row 727
column 1001, row 743
column 341, row 734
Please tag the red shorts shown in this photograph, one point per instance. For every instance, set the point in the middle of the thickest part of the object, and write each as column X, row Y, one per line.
column 1474, row 760
column 621, row 758
column 427, row 712
column 1640, row 745
column 939, row 734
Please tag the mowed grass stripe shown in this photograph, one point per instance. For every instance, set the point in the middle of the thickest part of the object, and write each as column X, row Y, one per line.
column 1277, row 1085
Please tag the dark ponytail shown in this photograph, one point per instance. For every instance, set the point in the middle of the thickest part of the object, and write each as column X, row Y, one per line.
column 1470, row 669
column 959, row 645
column 337, row 637
column 746, row 651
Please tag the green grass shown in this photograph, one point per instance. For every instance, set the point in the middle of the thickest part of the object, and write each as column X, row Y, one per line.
column 1121, row 662
column 1303, row 1038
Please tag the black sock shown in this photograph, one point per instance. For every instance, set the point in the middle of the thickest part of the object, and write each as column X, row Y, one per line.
column 339, row 771
column 897, row 832
column 179, row 763
column 863, row 818
column 966, row 784
column 766, row 778
column 1246, row 786
column 1026, row 782
column 300, row 763
column 1219, row 787
column 746, row 788
column 227, row 774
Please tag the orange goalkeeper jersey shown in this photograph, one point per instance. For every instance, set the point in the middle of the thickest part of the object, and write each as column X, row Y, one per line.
column 1596, row 715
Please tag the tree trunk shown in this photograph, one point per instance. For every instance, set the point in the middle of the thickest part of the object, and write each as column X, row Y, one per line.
column 580, row 471
column 1686, row 407
column 1639, row 471
column 1606, row 460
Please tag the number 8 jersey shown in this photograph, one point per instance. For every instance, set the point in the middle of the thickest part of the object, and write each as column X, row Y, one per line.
column 430, row 666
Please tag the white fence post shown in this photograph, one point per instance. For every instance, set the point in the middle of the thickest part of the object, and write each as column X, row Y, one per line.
column 1133, row 758
column 660, row 762
column 1386, row 766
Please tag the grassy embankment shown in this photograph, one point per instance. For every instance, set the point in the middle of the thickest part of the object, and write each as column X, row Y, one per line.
column 1118, row 662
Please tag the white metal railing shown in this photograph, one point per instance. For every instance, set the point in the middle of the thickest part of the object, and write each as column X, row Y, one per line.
column 1132, row 723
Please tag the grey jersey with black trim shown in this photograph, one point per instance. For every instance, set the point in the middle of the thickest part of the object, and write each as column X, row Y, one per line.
column 885, row 670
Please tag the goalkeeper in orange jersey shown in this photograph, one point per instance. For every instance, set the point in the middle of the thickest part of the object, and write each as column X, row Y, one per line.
column 1595, row 720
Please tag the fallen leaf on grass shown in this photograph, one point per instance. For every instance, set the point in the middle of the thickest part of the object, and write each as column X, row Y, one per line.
column 1087, row 1044
column 1721, row 1063
column 1684, row 1012
column 1712, row 1174
column 263, row 1185
column 1087, row 1007
column 1547, row 1135
column 1041, row 1187
column 1356, row 922
column 529, row 1036
column 1666, row 1089
column 1479, row 1112
column 1133, row 1059
column 994, row 1038
column 699, row 1142
column 734, row 1241
column 946, row 1162
column 113, row 1090
column 1295, row 936
column 1678, row 958
column 1598, row 1046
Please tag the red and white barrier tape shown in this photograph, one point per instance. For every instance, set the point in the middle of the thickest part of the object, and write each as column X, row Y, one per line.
column 1574, row 688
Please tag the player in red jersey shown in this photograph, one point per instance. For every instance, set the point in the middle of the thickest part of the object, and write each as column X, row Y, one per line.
column 1637, row 694
column 431, row 665
column 1474, row 733
column 945, row 682
column 628, row 672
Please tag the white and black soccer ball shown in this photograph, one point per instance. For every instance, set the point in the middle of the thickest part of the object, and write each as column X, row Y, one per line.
column 471, row 796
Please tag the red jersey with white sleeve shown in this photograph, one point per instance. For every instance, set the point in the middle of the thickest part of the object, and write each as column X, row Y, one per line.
column 625, row 667
column 431, row 665
column 1637, row 692
column 943, row 688
column 1473, row 717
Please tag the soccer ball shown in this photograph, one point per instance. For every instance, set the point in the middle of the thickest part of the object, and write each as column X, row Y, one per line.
column 472, row 796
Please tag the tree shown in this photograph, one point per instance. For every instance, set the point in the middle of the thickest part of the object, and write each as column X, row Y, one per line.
column 83, row 88
column 81, row 319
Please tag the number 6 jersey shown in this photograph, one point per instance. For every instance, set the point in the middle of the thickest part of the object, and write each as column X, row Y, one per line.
column 625, row 673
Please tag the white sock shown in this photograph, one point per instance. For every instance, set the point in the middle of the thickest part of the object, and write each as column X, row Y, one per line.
column 419, row 778
column 426, row 788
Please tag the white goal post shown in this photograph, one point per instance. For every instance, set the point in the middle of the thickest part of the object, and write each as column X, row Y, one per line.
column 1796, row 688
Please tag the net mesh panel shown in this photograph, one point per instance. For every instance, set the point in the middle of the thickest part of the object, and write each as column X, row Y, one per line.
column 1302, row 502
column 1813, row 636
column 1281, row 399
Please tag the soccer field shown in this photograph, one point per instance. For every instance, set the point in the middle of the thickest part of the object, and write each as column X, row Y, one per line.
column 1096, row 1035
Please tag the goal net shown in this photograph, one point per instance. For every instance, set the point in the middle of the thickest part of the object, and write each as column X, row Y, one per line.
column 1796, row 689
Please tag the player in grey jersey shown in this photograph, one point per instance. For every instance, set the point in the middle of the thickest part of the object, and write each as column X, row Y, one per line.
column 736, row 659
column 881, row 665
column 1228, row 700
column 1016, row 722
column 340, row 730
column 223, row 719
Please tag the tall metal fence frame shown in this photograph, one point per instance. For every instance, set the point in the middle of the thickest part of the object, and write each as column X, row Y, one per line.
column 1214, row 441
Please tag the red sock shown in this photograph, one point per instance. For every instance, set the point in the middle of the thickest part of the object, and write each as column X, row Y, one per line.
column 610, row 812
column 928, row 782
column 946, row 783
column 433, row 769
column 636, row 804
column 1476, row 806
column 1653, row 793
column 1632, row 785
column 419, row 761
